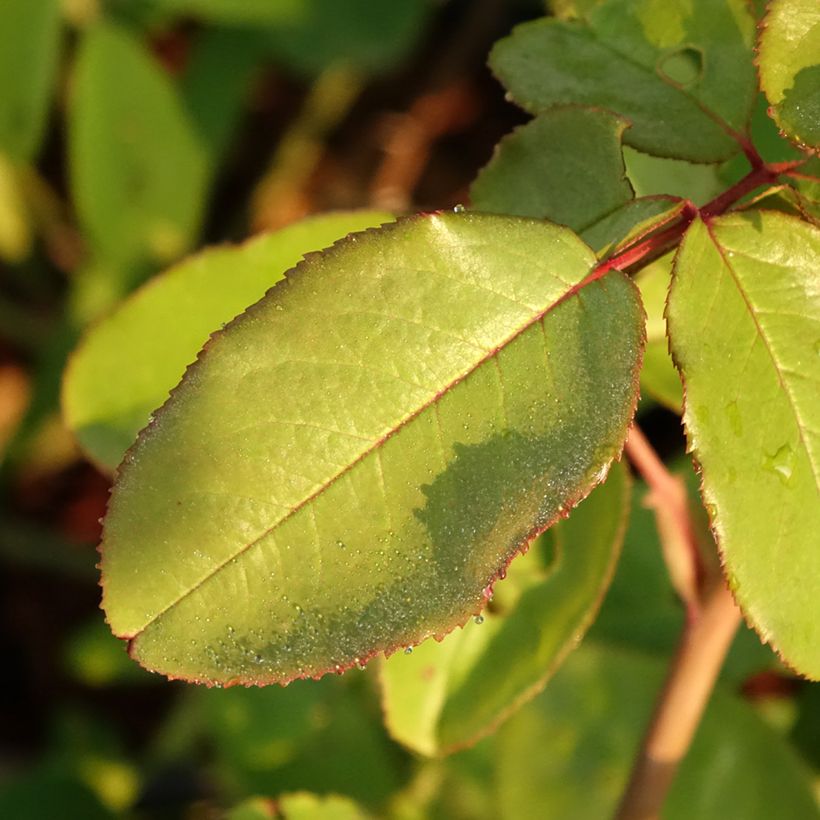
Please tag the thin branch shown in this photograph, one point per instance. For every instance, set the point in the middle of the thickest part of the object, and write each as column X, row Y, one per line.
column 692, row 675
column 713, row 619
column 670, row 502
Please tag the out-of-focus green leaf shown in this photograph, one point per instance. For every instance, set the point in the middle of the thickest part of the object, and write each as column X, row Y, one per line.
column 305, row 806
column 254, row 808
column 354, row 460
column 446, row 695
column 29, row 45
column 138, row 168
column 569, row 752
column 680, row 71
column 128, row 363
column 313, row 735
column 256, row 12
column 216, row 83
column 572, row 9
column 49, row 793
column 96, row 658
column 641, row 610
column 566, row 166
column 744, row 324
column 789, row 62
column 631, row 222
column 658, row 375
column 362, row 34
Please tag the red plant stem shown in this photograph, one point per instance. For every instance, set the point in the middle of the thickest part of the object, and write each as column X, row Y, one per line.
column 650, row 248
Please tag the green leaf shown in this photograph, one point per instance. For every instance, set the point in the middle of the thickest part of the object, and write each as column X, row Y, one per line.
column 641, row 610
column 658, row 375
column 138, row 169
column 29, row 47
column 445, row 695
column 244, row 12
column 352, row 462
column 312, row 735
column 50, row 792
column 653, row 176
column 566, row 166
column 310, row 807
column 127, row 364
column 217, row 81
column 680, row 71
column 789, row 62
column 568, row 753
column 367, row 36
column 744, row 325
column 633, row 221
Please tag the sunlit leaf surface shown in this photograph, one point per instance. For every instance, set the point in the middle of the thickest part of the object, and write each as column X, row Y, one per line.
column 352, row 462
column 127, row 364
column 789, row 61
column 744, row 323
column 445, row 695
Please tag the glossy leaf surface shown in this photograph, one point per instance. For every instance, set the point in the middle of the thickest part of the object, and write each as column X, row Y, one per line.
column 351, row 463
column 29, row 40
column 789, row 62
column 445, row 695
column 681, row 72
column 744, row 324
column 138, row 169
column 565, row 166
column 127, row 364
column 568, row 753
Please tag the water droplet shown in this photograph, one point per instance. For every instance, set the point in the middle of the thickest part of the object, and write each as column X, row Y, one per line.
column 459, row 209
column 479, row 619
column 781, row 462
column 340, row 544
column 408, row 650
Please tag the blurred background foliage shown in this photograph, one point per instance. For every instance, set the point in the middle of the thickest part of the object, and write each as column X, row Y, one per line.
column 133, row 131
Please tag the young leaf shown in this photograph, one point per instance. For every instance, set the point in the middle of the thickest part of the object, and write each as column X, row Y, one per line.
column 127, row 364
column 681, row 72
column 138, row 170
column 446, row 695
column 568, row 752
column 789, row 62
column 631, row 222
column 744, row 326
column 29, row 41
column 353, row 461
column 566, row 166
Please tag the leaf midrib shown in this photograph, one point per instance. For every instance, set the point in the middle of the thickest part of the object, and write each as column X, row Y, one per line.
column 750, row 307
column 597, row 272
